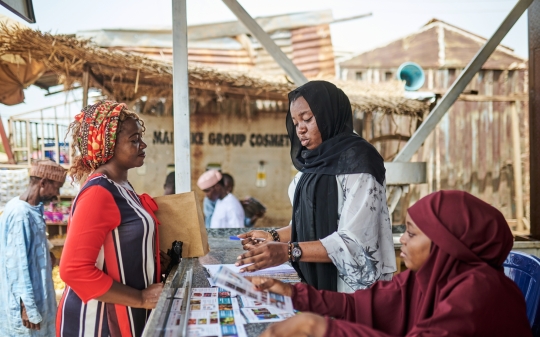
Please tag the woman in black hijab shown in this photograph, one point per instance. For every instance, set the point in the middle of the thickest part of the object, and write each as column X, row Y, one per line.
column 340, row 236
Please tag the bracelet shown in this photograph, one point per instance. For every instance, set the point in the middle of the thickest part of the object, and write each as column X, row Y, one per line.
column 275, row 234
column 289, row 252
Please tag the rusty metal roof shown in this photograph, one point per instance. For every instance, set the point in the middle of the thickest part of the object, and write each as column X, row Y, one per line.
column 436, row 45
column 304, row 37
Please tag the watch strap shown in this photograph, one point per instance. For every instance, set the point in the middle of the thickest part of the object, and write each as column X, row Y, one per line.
column 296, row 246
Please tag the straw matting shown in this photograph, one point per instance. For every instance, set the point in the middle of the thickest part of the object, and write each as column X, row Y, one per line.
column 128, row 76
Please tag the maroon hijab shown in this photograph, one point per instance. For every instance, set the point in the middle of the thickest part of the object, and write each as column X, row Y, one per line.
column 461, row 290
column 470, row 241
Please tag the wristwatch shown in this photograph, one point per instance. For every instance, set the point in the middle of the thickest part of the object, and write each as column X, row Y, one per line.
column 296, row 252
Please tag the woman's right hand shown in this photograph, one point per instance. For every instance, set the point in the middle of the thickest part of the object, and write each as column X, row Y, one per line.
column 266, row 283
column 150, row 296
column 249, row 239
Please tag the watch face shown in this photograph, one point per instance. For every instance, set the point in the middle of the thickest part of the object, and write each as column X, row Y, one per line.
column 296, row 252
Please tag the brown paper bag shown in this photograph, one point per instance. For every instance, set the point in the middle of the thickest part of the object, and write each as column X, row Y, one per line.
column 181, row 219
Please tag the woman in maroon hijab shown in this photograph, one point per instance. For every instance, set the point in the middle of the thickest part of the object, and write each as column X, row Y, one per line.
column 454, row 248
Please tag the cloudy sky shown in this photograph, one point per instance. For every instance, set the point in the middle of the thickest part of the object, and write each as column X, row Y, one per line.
column 391, row 19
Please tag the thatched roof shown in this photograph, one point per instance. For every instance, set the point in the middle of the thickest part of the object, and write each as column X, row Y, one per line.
column 127, row 76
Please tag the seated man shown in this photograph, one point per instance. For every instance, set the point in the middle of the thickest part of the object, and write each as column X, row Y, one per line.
column 454, row 248
column 228, row 212
column 249, row 204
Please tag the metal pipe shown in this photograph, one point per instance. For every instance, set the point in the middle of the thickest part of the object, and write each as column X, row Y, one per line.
column 182, row 163
column 350, row 18
column 267, row 42
column 459, row 85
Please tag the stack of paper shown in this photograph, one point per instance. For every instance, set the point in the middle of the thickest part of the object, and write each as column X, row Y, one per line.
column 259, row 312
column 227, row 279
column 281, row 269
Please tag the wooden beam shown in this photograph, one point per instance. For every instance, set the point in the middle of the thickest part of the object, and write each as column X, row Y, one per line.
column 100, row 84
column 516, row 163
column 484, row 98
column 534, row 117
column 252, row 93
column 5, row 142
column 85, row 85
column 266, row 41
column 390, row 137
column 195, row 84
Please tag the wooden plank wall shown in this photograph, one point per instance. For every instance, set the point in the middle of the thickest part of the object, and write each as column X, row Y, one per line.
column 471, row 148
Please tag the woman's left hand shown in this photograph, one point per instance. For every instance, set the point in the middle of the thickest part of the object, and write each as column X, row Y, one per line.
column 304, row 324
column 264, row 255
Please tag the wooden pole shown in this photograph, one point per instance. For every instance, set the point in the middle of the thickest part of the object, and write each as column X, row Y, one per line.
column 42, row 156
column 182, row 163
column 5, row 142
column 28, row 143
column 534, row 117
column 56, row 138
column 437, row 159
column 85, row 86
column 516, row 163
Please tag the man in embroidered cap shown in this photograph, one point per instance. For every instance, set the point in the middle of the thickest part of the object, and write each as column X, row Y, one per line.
column 169, row 187
column 27, row 297
column 228, row 212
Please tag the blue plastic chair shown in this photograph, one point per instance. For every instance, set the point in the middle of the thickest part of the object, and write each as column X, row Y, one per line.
column 524, row 270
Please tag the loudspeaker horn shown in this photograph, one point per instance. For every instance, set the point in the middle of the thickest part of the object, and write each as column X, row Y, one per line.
column 412, row 74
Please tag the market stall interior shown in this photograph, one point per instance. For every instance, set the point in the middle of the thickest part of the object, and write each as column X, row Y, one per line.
column 235, row 119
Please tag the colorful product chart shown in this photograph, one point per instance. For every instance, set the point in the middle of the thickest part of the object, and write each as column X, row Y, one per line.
column 214, row 313
column 256, row 311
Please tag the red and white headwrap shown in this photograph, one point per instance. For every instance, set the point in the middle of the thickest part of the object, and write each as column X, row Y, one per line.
column 97, row 134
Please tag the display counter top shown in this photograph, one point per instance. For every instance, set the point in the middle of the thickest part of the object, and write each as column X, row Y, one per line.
column 222, row 251
column 191, row 274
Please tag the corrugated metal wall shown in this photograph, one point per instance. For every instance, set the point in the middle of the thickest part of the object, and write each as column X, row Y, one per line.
column 313, row 52
column 471, row 148
column 310, row 49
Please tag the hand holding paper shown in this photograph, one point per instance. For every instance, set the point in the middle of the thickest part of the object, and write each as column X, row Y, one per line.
column 270, row 284
column 227, row 279
column 264, row 255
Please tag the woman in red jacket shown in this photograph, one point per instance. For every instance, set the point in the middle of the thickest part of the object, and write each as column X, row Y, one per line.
column 109, row 262
column 454, row 248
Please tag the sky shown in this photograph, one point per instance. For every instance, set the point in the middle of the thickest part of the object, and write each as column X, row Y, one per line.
column 390, row 20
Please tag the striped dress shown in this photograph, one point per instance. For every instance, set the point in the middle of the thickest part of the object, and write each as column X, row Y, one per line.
column 110, row 237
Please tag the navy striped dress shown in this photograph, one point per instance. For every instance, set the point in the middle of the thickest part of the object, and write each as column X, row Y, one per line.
column 111, row 237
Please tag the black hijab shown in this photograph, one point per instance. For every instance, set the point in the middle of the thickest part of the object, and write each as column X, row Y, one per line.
column 315, row 205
